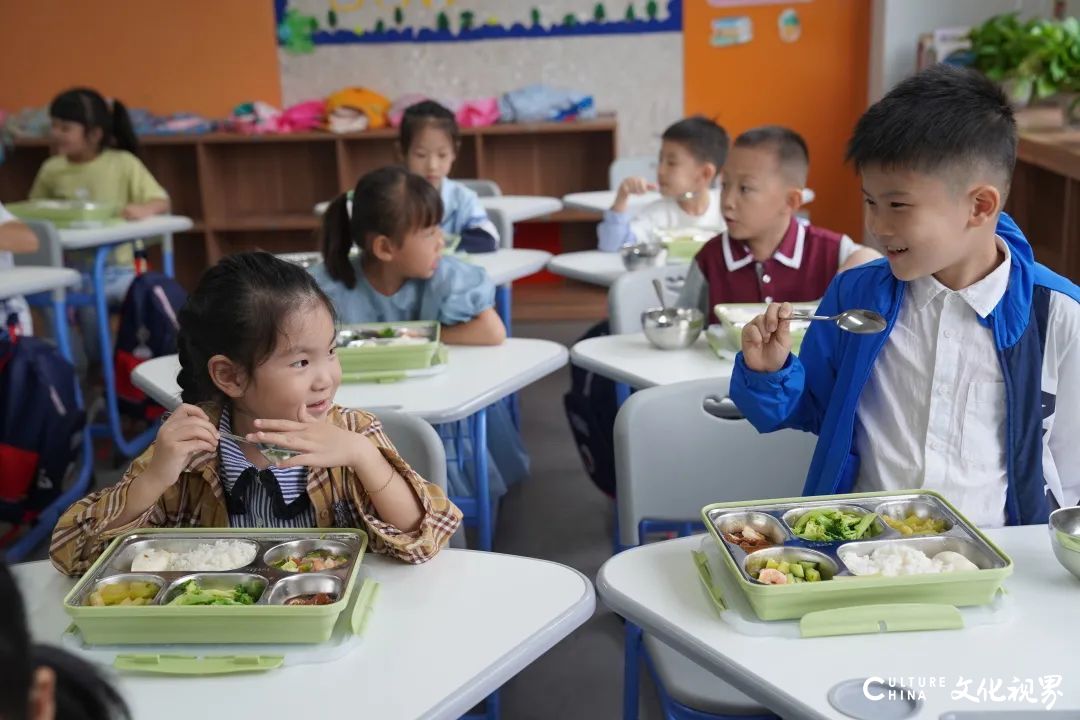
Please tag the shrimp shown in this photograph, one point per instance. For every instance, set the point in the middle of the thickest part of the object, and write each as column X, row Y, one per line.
column 771, row 576
column 751, row 534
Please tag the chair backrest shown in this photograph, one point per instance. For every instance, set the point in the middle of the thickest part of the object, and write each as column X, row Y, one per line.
column 638, row 165
column 420, row 445
column 50, row 252
column 483, row 188
column 632, row 293
column 676, row 450
column 503, row 225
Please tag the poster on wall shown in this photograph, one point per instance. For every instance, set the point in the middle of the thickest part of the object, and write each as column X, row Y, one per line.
column 304, row 24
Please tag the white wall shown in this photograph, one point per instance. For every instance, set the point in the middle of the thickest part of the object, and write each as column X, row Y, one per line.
column 895, row 26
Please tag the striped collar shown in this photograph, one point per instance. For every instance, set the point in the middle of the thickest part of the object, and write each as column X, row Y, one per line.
column 292, row 481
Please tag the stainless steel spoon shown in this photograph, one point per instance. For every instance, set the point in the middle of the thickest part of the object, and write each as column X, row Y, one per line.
column 273, row 453
column 860, row 322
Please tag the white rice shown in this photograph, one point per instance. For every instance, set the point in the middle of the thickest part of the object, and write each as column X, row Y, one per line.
column 894, row 560
column 221, row 555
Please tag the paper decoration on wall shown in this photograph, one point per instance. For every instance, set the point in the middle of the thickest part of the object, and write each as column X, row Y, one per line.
column 304, row 24
column 789, row 25
column 731, row 31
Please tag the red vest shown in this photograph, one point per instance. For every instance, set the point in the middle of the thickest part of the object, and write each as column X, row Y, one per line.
column 800, row 269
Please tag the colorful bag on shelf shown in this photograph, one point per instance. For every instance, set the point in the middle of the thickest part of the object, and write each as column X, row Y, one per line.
column 357, row 99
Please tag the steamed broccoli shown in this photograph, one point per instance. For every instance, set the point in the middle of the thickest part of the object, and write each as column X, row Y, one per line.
column 195, row 595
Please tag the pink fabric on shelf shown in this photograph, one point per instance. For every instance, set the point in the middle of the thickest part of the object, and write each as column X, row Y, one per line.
column 478, row 113
column 307, row 115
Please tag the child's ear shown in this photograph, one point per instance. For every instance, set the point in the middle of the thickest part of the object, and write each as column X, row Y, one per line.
column 382, row 248
column 709, row 172
column 793, row 199
column 227, row 376
column 985, row 205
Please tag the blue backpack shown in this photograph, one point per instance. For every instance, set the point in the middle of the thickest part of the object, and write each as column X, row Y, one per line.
column 41, row 426
column 591, row 407
column 149, row 323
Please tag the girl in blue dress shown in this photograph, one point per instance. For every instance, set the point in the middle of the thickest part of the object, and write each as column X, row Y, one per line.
column 402, row 274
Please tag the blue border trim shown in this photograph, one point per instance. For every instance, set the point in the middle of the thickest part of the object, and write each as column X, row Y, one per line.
column 673, row 23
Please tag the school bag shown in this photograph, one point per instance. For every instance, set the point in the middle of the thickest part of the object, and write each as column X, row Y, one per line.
column 41, row 426
column 591, row 407
column 149, row 323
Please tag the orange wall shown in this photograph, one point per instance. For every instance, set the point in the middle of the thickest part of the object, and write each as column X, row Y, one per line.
column 816, row 86
column 204, row 56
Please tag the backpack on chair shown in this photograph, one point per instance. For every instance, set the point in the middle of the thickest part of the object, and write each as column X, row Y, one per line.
column 149, row 323
column 41, row 426
column 591, row 406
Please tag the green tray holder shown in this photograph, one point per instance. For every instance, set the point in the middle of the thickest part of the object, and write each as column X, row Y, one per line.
column 826, row 602
column 246, row 624
column 386, row 363
column 103, row 214
column 194, row 665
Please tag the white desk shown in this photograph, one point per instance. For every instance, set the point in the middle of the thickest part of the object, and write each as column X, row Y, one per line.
column 519, row 208
column 589, row 266
column 85, row 238
column 506, row 265
column 632, row 360
column 474, row 378
column 657, row 587
column 442, row 636
column 601, row 200
column 27, row 280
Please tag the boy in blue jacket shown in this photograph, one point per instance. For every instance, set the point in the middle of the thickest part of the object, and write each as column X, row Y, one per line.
column 973, row 389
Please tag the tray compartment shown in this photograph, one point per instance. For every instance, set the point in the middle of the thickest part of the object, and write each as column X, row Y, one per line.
column 306, row 584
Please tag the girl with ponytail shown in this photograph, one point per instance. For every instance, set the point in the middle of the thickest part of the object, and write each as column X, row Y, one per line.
column 97, row 160
column 257, row 359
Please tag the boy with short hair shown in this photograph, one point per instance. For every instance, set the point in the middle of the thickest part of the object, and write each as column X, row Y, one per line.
column 767, row 253
column 692, row 154
column 973, row 389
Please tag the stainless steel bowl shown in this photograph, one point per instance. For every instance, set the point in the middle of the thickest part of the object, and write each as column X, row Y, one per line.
column 643, row 255
column 672, row 328
column 1065, row 537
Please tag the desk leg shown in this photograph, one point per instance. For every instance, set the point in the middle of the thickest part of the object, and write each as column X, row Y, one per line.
column 167, row 255
column 60, row 327
column 101, row 307
column 503, row 306
column 478, row 428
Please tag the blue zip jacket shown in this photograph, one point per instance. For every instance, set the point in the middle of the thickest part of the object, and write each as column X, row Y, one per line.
column 819, row 390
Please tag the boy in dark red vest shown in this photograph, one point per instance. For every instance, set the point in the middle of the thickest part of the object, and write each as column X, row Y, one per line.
column 767, row 253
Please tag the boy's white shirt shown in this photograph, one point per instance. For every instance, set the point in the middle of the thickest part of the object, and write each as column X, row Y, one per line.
column 932, row 414
column 666, row 213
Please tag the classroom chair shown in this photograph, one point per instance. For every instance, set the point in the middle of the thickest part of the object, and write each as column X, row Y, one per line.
column 632, row 293
column 624, row 167
column 678, row 448
column 422, row 448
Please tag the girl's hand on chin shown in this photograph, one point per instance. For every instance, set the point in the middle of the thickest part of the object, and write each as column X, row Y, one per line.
column 320, row 444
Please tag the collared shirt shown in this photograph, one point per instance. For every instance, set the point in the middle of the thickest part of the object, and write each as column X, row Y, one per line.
column 197, row 499
column 802, row 266
column 932, row 414
column 259, row 501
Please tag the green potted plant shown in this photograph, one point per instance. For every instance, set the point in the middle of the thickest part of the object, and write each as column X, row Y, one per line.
column 1034, row 60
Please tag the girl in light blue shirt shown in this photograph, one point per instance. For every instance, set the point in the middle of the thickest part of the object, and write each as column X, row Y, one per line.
column 401, row 274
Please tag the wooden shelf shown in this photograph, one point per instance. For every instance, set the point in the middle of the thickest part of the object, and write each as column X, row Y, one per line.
column 267, row 222
column 259, row 191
